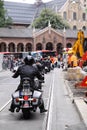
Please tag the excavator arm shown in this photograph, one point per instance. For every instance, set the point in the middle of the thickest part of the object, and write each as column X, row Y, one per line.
column 78, row 45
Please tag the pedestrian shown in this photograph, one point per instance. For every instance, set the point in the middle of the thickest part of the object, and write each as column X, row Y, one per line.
column 72, row 59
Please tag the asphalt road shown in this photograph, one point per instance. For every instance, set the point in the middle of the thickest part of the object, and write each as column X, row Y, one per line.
column 62, row 114
column 8, row 120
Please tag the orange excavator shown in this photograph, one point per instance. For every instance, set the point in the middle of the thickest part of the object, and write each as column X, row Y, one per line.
column 78, row 45
column 80, row 48
column 81, row 51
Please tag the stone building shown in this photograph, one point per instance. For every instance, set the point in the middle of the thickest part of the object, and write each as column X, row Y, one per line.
column 73, row 11
column 20, row 37
column 21, row 40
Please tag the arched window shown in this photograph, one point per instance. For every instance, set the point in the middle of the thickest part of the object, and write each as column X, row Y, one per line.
column 11, row 47
column 59, row 48
column 84, row 16
column 39, row 46
column 85, row 45
column 74, row 16
column 2, row 47
column 49, row 46
column 74, row 27
column 68, row 45
column 20, row 47
column 84, row 27
column 65, row 15
column 28, row 47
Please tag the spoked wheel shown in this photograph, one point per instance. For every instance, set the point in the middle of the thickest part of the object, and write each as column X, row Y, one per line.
column 26, row 113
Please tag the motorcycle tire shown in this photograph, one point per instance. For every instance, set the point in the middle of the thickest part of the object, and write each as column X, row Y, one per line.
column 26, row 113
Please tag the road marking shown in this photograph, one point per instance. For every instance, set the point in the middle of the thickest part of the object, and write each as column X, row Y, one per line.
column 49, row 122
column 46, row 119
column 5, row 105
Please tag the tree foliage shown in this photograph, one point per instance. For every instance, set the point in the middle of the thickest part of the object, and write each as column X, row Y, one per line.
column 4, row 21
column 55, row 20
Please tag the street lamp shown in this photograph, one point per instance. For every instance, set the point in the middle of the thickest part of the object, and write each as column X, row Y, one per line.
column 64, row 34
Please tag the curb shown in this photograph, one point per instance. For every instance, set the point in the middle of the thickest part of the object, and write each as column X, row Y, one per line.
column 82, row 109
column 80, row 105
column 69, row 90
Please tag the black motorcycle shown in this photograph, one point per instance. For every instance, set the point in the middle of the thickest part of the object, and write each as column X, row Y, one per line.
column 26, row 99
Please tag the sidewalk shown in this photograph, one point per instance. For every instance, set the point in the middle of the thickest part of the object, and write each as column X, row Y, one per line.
column 77, row 97
column 62, row 112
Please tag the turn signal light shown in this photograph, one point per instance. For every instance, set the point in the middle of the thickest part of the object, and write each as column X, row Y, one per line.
column 17, row 99
column 34, row 99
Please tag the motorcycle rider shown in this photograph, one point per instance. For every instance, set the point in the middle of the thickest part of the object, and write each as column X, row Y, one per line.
column 28, row 70
column 39, row 66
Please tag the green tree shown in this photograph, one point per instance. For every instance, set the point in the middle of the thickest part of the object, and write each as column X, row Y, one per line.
column 4, row 21
column 55, row 20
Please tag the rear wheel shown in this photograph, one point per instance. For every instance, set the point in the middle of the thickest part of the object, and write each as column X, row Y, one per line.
column 26, row 113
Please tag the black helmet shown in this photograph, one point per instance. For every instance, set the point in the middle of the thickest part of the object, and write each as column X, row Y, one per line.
column 29, row 60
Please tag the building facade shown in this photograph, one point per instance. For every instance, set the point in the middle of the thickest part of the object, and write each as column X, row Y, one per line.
column 74, row 12
column 21, row 38
column 25, row 40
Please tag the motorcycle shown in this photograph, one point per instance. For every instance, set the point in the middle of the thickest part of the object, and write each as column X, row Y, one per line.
column 26, row 99
column 38, row 83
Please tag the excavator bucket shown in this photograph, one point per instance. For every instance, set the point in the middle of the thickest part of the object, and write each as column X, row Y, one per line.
column 82, row 84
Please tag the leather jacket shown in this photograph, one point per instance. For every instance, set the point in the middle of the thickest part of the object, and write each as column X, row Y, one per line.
column 27, row 71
